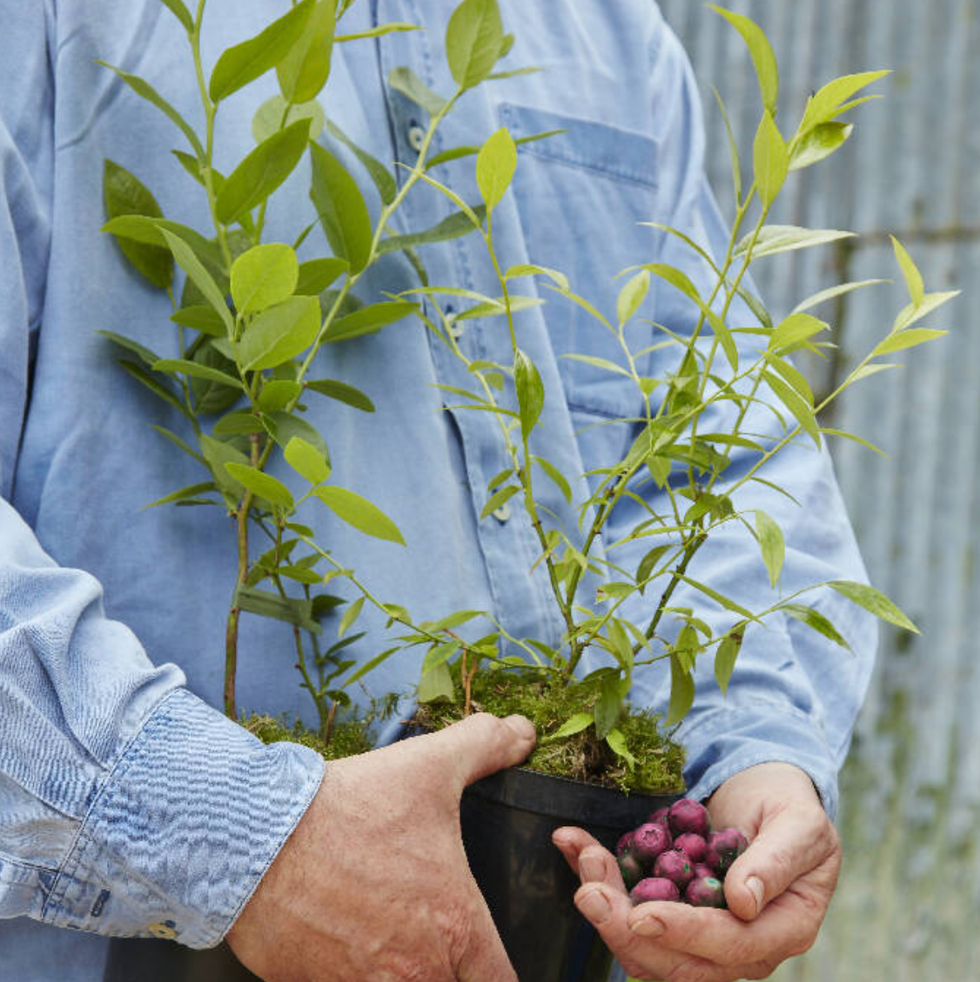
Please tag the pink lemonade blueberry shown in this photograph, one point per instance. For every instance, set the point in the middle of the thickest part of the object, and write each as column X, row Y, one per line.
column 623, row 846
column 631, row 870
column 649, row 841
column 702, row 870
column 692, row 845
column 724, row 847
column 674, row 866
column 660, row 815
column 654, row 888
column 707, row 891
column 688, row 815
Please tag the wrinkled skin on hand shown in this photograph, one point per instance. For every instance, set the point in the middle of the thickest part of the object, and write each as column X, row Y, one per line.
column 373, row 883
column 777, row 890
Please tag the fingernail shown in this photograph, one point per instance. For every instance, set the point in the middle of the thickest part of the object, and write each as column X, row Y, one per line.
column 595, row 906
column 649, row 927
column 757, row 889
column 522, row 726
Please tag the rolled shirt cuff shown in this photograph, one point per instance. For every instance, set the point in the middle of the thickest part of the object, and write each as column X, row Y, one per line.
column 177, row 838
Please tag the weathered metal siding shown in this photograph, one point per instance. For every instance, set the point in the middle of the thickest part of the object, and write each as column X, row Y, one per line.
column 908, row 907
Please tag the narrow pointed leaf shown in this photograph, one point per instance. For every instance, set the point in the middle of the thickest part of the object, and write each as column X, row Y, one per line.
column 456, row 225
column 913, row 278
column 177, row 8
column 341, row 208
column 495, row 167
column 405, row 81
column 725, row 658
column 763, row 57
column 819, row 143
column 874, row 601
column 317, row 275
column 342, row 392
column 288, row 609
column 201, row 278
column 304, row 71
column 556, row 476
column 771, row 158
column 817, row 621
column 369, row 320
column 530, row 392
column 174, row 365
column 383, row 179
column 907, row 339
column 775, row 239
column 306, row 460
column 360, row 513
column 263, row 485
column 771, row 543
column 350, row 615
column 681, row 691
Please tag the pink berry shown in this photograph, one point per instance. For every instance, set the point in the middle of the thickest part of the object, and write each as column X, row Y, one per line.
column 623, row 846
column 692, row 845
column 649, row 841
column 688, row 815
column 674, row 866
column 654, row 888
column 705, row 892
column 724, row 847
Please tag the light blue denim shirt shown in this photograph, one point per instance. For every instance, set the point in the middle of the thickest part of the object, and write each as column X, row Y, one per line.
column 126, row 800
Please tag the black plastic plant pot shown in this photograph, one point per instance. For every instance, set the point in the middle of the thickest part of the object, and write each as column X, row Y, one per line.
column 507, row 822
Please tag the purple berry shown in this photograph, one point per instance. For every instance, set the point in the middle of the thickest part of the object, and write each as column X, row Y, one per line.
column 674, row 866
column 693, row 846
column 688, row 815
column 705, row 891
column 703, row 869
column 623, row 846
column 660, row 815
column 649, row 841
column 724, row 847
column 654, row 888
column 631, row 870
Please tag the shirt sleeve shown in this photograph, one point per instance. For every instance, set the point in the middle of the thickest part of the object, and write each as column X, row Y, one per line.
column 794, row 694
column 128, row 806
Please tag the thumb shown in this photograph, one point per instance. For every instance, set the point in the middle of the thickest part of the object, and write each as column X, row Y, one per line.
column 483, row 744
column 790, row 844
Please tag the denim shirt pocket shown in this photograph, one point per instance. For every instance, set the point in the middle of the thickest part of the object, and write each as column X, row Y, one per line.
column 581, row 195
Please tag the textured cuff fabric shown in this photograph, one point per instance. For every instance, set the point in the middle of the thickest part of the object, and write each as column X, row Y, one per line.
column 724, row 742
column 183, row 829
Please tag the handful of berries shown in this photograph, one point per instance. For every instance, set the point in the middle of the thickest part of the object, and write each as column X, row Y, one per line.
column 676, row 856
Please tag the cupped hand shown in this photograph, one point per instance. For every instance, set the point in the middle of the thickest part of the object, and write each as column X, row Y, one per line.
column 777, row 890
column 373, row 883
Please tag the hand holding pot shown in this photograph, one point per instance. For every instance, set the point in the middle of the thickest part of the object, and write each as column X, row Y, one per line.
column 777, row 890
column 374, row 883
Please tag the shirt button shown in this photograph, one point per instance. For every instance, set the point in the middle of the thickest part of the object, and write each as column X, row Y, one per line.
column 163, row 931
column 502, row 514
column 416, row 136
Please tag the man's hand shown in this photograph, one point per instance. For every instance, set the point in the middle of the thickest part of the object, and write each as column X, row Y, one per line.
column 373, row 883
column 777, row 890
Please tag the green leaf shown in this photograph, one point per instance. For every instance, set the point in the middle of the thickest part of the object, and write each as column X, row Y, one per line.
column 379, row 174
column 603, row 363
column 306, row 460
column 143, row 353
column 794, row 377
column 177, row 8
column 405, row 81
column 794, row 330
column 771, row 542
column 146, row 91
column 341, row 209
column 263, row 277
column 280, row 333
column 771, row 157
column 235, row 424
column 317, row 275
column 907, row 339
column 795, row 404
column 142, row 228
column 435, row 685
column 175, row 365
column 681, row 691
column 282, row 427
column 763, row 58
column 571, row 726
column 826, row 104
column 632, row 295
column 556, row 476
column 530, row 269
column 725, row 658
column 774, row 239
column 199, row 276
column 474, row 39
column 719, row 598
column 495, row 167
column 203, row 318
column 380, row 31
column 832, row 293
column 455, row 153
column 371, row 665
column 177, row 442
column 819, row 143
column 931, row 302
column 814, row 619
column 251, row 59
column 350, row 615
column 874, row 601
column 304, row 71
column 183, row 493
column 530, row 392
column 649, row 563
column 277, row 394
column 498, row 500
column 288, row 609
column 732, row 147
column 853, row 436
column 262, row 485
column 369, row 320
column 262, row 171
column 342, row 392
column 268, row 119
column 360, row 513
column 438, row 655
column 124, row 194
column 617, row 743
column 455, row 226
column 913, row 278
column 608, row 708
column 217, row 454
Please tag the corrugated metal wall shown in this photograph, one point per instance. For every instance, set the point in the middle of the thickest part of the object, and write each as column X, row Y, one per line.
column 908, row 907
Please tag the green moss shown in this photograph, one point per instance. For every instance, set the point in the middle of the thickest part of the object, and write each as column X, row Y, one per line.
column 350, row 737
column 548, row 704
